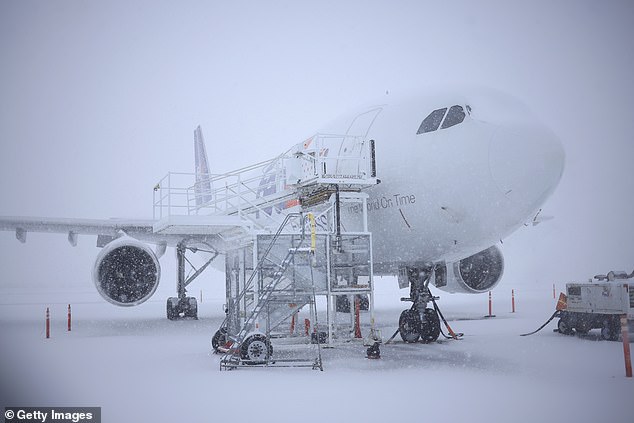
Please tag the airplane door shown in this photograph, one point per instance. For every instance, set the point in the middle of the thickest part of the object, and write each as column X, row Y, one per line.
column 352, row 143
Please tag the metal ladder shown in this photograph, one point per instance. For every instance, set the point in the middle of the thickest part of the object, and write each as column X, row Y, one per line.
column 266, row 297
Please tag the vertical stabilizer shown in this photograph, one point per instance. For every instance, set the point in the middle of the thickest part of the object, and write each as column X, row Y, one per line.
column 202, row 188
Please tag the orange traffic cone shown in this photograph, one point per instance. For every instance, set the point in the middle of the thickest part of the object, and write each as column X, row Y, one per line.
column 562, row 304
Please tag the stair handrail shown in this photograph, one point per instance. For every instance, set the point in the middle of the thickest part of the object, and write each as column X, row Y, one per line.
column 249, row 283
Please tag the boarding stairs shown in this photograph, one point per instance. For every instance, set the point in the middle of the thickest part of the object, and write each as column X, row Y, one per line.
column 275, row 296
column 257, row 217
column 284, row 273
column 272, row 284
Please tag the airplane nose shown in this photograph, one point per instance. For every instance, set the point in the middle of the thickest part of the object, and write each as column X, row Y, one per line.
column 526, row 163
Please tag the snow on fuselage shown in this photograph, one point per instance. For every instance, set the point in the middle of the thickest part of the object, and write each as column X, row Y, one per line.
column 448, row 193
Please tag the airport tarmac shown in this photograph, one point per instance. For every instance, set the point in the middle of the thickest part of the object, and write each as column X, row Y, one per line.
column 138, row 366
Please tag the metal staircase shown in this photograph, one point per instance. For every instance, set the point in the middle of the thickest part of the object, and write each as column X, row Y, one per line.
column 277, row 260
column 276, row 300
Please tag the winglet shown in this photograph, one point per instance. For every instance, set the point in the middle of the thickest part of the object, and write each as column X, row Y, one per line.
column 202, row 188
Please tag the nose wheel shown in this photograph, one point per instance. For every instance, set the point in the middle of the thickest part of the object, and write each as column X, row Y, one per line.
column 409, row 326
column 412, row 327
column 430, row 327
column 419, row 322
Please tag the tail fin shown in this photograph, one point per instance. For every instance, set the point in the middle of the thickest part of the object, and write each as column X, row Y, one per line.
column 202, row 188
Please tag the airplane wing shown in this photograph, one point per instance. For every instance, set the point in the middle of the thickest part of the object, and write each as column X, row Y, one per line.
column 108, row 229
column 79, row 226
column 73, row 227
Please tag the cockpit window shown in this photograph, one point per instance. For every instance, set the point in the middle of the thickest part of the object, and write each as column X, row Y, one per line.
column 432, row 121
column 455, row 116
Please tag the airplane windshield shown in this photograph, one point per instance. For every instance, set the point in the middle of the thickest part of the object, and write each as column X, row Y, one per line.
column 455, row 116
column 432, row 122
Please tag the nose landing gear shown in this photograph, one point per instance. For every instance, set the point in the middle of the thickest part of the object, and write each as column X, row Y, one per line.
column 421, row 322
column 411, row 326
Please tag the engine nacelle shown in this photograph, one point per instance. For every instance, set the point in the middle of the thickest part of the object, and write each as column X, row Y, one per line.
column 126, row 272
column 472, row 275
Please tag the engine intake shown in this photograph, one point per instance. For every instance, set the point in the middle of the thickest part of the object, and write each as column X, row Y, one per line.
column 476, row 274
column 126, row 272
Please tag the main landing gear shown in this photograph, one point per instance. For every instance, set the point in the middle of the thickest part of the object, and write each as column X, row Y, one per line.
column 184, row 307
column 419, row 322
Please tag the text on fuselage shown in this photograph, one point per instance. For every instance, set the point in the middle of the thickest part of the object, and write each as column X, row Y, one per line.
column 386, row 202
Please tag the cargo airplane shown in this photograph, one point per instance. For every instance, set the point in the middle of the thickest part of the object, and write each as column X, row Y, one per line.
column 459, row 172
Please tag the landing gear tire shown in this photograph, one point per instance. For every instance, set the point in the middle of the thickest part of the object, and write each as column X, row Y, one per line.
column 219, row 338
column 409, row 326
column 364, row 302
column 610, row 330
column 191, row 308
column 257, row 349
column 342, row 304
column 172, row 308
column 564, row 327
column 187, row 307
column 319, row 338
column 430, row 328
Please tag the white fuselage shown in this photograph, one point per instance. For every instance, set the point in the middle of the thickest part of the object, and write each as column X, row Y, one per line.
column 450, row 193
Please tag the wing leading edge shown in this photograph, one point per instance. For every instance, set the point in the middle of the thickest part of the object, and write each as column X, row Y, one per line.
column 109, row 228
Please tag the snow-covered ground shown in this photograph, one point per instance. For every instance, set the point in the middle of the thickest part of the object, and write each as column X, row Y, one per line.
column 138, row 366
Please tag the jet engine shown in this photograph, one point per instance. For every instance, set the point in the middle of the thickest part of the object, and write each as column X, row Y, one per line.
column 126, row 272
column 472, row 275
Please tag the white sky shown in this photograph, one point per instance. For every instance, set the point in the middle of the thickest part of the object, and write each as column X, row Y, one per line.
column 98, row 100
